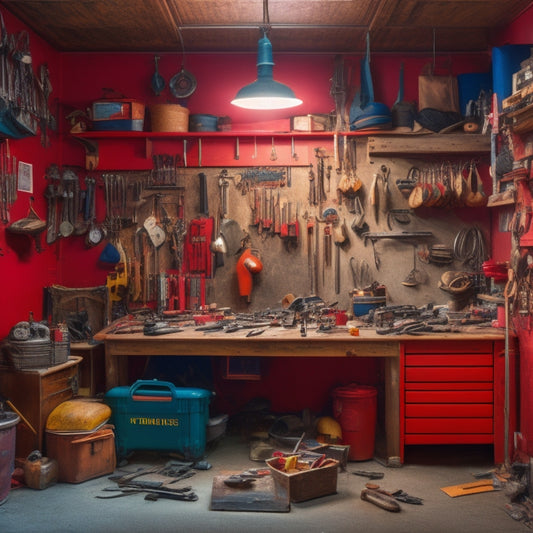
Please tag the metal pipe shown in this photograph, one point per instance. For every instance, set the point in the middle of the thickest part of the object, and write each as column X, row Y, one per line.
column 272, row 26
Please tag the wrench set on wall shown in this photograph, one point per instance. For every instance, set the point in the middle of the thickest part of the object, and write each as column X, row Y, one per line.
column 167, row 171
column 23, row 95
column 8, row 181
column 156, row 256
column 72, row 210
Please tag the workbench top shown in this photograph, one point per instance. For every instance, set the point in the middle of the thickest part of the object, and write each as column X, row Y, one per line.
column 278, row 341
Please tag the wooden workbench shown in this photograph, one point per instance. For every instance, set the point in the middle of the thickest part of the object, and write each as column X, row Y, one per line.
column 280, row 342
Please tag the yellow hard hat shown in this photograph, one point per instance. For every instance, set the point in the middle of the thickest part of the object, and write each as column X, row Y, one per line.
column 326, row 425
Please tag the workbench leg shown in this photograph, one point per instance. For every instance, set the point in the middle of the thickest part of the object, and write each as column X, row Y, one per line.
column 116, row 369
column 392, row 409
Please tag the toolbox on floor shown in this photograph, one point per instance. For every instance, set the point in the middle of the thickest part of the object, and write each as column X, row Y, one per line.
column 82, row 456
column 157, row 415
column 307, row 484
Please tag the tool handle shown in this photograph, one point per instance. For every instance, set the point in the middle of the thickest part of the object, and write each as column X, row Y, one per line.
column 150, row 386
column 204, row 210
column 97, row 435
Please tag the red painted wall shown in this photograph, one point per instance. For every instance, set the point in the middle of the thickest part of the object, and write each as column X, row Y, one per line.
column 23, row 271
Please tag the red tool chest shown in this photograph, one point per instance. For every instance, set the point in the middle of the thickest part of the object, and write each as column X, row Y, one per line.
column 449, row 394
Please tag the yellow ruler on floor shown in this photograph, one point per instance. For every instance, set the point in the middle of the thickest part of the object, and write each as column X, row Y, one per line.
column 464, row 489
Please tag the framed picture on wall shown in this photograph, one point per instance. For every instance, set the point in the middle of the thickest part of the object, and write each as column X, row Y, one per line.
column 25, row 177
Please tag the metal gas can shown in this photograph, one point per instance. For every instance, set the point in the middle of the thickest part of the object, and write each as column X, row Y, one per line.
column 39, row 472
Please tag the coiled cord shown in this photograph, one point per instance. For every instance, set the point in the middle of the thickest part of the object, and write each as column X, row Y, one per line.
column 469, row 247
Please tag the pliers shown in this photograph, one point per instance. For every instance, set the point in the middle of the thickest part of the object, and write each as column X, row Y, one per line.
column 184, row 494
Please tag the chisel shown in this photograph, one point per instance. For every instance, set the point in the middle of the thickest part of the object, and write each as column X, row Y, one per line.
column 277, row 216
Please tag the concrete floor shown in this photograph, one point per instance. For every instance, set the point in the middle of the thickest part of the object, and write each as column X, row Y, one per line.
column 74, row 508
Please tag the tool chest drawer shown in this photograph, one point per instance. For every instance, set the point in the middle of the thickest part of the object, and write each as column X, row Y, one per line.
column 448, row 347
column 447, row 393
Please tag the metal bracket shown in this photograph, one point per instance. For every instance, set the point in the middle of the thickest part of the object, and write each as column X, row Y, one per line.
column 392, row 235
column 91, row 153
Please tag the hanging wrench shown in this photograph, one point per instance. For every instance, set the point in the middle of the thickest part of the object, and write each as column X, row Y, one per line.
column 273, row 154
column 199, row 152
column 293, row 150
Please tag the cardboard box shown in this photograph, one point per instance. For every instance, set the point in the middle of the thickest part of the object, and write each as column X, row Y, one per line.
column 307, row 484
column 311, row 123
column 82, row 456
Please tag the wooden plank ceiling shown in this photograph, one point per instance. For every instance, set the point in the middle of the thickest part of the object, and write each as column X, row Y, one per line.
column 318, row 26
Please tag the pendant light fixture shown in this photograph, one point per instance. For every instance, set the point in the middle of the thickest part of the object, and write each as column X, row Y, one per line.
column 265, row 93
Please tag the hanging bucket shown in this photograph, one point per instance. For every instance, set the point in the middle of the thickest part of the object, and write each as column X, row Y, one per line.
column 355, row 408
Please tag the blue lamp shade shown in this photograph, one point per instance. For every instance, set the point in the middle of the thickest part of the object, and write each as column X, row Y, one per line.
column 265, row 93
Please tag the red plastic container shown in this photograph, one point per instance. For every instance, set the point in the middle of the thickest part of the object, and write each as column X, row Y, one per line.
column 8, row 430
column 355, row 408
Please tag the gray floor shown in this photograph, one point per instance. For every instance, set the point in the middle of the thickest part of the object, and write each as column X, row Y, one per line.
column 74, row 508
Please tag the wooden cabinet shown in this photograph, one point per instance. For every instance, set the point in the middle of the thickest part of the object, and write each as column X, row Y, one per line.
column 452, row 392
column 35, row 393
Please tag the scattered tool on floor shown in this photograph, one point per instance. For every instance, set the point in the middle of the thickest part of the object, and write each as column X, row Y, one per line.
column 184, row 494
column 373, row 494
column 368, row 474
column 465, row 489
column 402, row 496
column 238, row 481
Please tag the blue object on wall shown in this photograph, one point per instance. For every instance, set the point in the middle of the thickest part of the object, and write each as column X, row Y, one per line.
column 505, row 62
column 470, row 85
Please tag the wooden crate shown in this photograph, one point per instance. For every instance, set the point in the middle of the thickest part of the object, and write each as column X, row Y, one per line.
column 307, row 484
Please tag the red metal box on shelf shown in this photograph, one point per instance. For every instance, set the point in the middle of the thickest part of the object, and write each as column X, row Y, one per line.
column 118, row 115
column 82, row 456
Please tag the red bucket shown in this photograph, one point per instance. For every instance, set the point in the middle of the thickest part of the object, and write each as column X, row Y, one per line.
column 355, row 408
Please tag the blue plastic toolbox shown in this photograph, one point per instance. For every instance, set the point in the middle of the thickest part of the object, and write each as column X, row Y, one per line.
column 157, row 415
